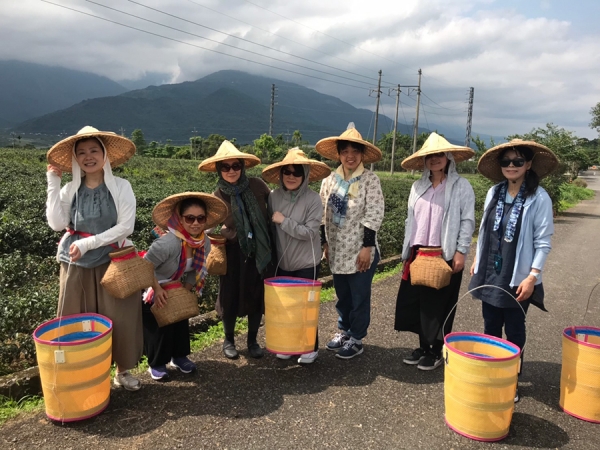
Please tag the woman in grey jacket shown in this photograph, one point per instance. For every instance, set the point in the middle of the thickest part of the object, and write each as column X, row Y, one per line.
column 296, row 212
column 441, row 213
column 178, row 255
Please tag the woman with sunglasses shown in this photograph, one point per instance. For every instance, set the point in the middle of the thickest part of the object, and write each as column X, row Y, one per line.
column 296, row 211
column 514, row 237
column 178, row 255
column 441, row 214
column 248, row 247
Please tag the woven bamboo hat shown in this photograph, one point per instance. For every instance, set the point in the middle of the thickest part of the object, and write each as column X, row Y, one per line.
column 544, row 160
column 118, row 148
column 318, row 169
column 227, row 151
column 328, row 146
column 436, row 144
column 217, row 209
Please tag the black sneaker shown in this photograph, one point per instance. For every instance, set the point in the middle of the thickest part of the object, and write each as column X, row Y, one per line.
column 337, row 341
column 430, row 361
column 350, row 349
column 414, row 357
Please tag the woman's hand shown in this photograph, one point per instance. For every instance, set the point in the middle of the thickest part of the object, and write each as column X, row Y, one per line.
column 74, row 252
column 472, row 271
column 160, row 297
column 458, row 262
column 326, row 252
column 363, row 260
column 278, row 217
column 55, row 170
column 525, row 289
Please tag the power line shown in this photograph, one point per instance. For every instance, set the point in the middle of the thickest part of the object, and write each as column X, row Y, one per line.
column 203, row 48
column 443, row 107
column 219, row 42
column 278, row 35
column 244, row 40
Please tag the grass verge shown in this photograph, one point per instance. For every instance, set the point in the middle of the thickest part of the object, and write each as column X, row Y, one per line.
column 10, row 408
column 571, row 195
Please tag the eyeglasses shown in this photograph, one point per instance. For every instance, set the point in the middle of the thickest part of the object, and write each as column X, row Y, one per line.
column 295, row 173
column 235, row 166
column 191, row 219
column 517, row 162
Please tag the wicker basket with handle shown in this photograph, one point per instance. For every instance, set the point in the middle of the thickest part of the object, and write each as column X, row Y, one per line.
column 429, row 269
column 216, row 262
column 181, row 305
column 127, row 273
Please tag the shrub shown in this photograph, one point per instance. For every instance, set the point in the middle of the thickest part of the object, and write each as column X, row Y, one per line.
column 580, row 182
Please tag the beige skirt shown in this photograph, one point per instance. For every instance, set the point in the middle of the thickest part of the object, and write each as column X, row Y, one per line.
column 81, row 292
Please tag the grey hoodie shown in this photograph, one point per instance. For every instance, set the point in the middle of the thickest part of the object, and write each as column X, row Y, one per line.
column 298, row 241
column 458, row 222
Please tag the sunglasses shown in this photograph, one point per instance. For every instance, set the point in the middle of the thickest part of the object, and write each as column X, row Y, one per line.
column 295, row 173
column 517, row 162
column 191, row 219
column 235, row 166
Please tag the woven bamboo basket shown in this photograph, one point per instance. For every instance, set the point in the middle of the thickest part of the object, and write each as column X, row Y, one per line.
column 181, row 305
column 216, row 262
column 429, row 269
column 127, row 273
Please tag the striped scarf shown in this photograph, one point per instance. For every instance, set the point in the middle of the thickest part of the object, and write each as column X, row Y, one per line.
column 196, row 244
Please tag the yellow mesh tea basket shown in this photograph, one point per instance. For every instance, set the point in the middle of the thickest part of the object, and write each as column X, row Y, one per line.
column 580, row 373
column 74, row 354
column 480, row 381
column 291, row 314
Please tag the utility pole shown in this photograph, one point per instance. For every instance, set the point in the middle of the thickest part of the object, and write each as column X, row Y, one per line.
column 395, row 126
column 469, row 117
column 416, row 131
column 376, row 112
column 194, row 144
column 122, row 132
column 273, row 95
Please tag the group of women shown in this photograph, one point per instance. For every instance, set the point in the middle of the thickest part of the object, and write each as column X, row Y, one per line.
column 288, row 231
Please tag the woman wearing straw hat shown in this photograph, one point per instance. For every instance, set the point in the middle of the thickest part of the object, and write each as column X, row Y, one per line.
column 353, row 211
column 98, row 211
column 514, row 236
column 178, row 255
column 296, row 211
column 441, row 213
column 248, row 246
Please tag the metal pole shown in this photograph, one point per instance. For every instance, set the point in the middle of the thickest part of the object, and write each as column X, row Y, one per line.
column 416, row 131
column 376, row 113
column 395, row 129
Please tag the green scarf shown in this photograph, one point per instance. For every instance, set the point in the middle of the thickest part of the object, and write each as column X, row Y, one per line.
column 252, row 232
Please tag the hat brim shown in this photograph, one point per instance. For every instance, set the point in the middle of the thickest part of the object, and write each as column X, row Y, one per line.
column 216, row 214
column 416, row 161
column 327, row 147
column 318, row 170
column 119, row 149
column 543, row 164
column 210, row 164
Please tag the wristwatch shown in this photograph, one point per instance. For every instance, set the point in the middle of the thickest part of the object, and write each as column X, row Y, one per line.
column 535, row 275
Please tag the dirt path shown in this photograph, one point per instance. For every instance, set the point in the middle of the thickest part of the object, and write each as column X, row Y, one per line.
column 373, row 401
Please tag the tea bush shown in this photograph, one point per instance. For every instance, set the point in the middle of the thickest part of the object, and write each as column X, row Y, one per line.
column 29, row 271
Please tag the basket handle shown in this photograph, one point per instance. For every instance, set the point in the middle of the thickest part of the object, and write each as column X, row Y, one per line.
column 587, row 306
column 475, row 289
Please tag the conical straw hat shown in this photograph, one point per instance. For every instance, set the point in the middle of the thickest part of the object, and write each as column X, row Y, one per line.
column 328, row 146
column 118, row 148
column 318, row 169
column 544, row 160
column 436, row 144
column 217, row 209
column 227, row 151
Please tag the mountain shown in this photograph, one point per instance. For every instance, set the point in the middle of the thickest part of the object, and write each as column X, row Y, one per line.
column 231, row 103
column 30, row 90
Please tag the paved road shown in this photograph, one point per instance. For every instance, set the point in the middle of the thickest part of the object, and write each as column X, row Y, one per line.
column 373, row 401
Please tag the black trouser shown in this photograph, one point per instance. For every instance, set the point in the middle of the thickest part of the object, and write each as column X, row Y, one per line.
column 163, row 343
column 512, row 319
column 308, row 273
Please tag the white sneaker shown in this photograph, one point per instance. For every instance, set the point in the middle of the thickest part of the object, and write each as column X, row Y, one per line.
column 282, row 356
column 308, row 358
column 128, row 381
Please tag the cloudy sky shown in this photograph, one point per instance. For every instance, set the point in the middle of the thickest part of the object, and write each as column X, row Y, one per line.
column 530, row 62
